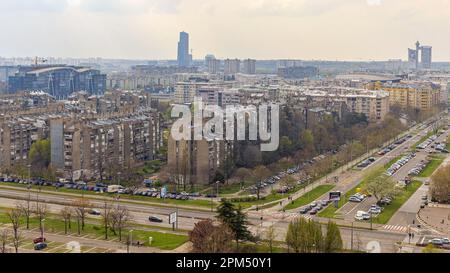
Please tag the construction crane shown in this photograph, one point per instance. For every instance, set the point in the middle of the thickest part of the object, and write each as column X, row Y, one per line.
column 39, row 60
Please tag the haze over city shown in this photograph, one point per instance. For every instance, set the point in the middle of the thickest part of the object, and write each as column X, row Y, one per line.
column 147, row 29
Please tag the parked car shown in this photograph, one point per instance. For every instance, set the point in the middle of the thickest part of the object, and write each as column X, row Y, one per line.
column 39, row 240
column 155, row 219
column 40, row 246
column 436, row 242
column 362, row 215
column 354, row 199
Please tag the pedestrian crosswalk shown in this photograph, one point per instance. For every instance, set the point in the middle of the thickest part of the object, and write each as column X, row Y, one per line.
column 291, row 216
column 396, row 228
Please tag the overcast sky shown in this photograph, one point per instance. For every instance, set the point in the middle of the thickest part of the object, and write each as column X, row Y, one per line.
column 261, row 29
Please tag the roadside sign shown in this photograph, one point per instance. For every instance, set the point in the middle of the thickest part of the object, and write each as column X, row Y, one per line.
column 163, row 192
column 173, row 218
column 335, row 195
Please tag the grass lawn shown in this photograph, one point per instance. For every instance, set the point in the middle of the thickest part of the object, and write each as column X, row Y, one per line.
column 390, row 163
column 431, row 167
column 156, row 201
column 161, row 240
column 309, row 197
column 390, row 210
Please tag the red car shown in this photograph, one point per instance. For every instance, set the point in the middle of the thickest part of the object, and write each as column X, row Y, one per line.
column 39, row 240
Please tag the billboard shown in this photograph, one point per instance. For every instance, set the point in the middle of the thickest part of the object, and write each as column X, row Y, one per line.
column 173, row 217
column 335, row 195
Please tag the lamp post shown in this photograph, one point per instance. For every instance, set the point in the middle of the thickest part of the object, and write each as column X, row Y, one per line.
column 42, row 228
column 130, row 240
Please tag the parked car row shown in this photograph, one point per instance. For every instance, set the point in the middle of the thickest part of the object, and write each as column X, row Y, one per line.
column 418, row 168
column 391, row 147
column 400, row 163
column 427, row 142
column 366, row 162
column 440, row 242
column 100, row 188
column 441, row 147
column 273, row 180
column 314, row 207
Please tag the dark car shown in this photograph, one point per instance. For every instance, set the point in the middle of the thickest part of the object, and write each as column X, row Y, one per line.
column 313, row 212
column 39, row 240
column 303, row 211
column 155, row 219
column 40, row 246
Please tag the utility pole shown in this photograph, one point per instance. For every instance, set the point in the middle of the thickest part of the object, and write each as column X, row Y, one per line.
column 351, row 243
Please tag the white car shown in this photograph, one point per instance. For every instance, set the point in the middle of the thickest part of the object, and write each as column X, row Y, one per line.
column 362, row 215
column 354, row 199
column 436, row 241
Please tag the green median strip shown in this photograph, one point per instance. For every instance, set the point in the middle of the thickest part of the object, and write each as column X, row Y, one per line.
column 396, row 204
column 161, row 240
column 431, row 167
column 309, row 197
column 203, row 204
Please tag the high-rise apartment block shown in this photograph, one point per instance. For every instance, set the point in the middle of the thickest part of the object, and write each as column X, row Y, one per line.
column 249, row 67
column 232, row 66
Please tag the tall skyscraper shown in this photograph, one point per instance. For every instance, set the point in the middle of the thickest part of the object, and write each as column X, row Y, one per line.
column 426, row 57
column 184, row 58
column 425, row 53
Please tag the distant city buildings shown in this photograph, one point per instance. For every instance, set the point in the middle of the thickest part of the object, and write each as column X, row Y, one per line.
column 298, row 72
column 58, row 81
column 184, row 58
column 249, row 67
column 212, row 64
column 425, row 53
column 232, row 66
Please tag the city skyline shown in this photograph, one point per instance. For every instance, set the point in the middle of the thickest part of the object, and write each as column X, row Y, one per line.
column 138, row 29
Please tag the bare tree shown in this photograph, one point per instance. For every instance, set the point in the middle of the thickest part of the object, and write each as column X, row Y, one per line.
column 14, row 216
column 26, row 211
column 4, row 240
column 41, row 211
column 66, row 214
column 81, row 207
column 120, row 216
column 106, row 217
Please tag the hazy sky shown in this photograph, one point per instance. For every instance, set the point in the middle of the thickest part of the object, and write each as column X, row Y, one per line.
column 261, row 29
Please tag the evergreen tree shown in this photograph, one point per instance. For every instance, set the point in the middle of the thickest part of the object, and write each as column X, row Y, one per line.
column 226, row 212
column 239, row 227
column 333, row 239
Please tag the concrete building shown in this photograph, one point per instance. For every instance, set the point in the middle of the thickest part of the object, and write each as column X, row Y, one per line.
column 197, row 162
column 373, row 104
column 185, row 92
column 423, row 96
column 249, row 67
column 232, row 66
column 86, row 149
column 298, row 72
column 212, row 64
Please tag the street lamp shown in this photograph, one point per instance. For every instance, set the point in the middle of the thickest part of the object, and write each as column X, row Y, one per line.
column 130, row 240
column 42, row 228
